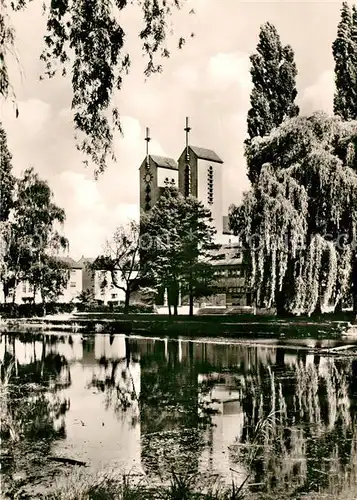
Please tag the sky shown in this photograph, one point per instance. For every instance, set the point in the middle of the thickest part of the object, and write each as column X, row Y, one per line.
column 208, row 80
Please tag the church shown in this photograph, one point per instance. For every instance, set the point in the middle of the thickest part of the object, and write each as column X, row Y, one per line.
column 198, row 172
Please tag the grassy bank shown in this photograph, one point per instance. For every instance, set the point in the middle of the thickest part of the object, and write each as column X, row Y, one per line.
column 84, row 486
column 245, row 325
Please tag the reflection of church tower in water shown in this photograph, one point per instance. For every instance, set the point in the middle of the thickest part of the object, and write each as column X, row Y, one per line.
column 197, row 173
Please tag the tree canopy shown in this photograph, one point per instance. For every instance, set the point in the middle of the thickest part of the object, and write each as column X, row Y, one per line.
column 32, row 239
column 273, row 72
column 86, row 38
column 299, row 221
column 7, row 179
column 177, row 236
column 345, row 55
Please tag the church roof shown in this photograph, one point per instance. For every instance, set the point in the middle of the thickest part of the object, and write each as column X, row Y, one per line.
column 206, row 154
column 162, row 161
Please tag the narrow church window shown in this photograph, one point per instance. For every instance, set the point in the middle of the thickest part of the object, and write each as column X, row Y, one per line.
column 210, row 185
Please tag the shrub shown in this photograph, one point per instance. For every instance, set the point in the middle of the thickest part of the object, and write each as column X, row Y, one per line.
column 34, row 310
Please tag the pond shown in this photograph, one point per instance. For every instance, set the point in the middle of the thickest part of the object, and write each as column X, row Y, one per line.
column 148, row 406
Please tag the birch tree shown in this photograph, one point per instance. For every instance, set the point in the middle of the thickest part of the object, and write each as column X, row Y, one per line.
column 121, row 260
column 35, row 237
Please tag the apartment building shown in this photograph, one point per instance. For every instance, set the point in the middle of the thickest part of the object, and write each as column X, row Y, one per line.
column 80, row 278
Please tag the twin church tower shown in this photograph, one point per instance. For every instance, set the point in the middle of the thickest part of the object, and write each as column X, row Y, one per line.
column 197, row 172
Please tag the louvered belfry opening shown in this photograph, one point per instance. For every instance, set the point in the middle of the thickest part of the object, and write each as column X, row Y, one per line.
column 187, row 183
column 210, row 185
column 187, row 180
column 148, row 187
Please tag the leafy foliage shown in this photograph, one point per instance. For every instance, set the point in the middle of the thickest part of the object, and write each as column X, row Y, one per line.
column 121, row 260
column 7, row 180
column 345, row 55
column 87, row 36
column 273, row 73
column 299, row 222
column 7, row 37
column 50, row 275
column 180, row 236
column 32, row 240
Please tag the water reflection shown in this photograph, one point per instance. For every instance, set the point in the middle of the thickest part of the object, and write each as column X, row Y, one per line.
column 151, row 405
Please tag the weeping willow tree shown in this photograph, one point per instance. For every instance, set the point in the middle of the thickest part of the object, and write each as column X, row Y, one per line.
column 299, row 221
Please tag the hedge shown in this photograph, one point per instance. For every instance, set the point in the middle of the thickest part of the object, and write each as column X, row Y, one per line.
column 36, row 310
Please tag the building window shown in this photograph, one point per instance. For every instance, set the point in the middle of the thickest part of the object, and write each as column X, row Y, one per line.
column 210, row 185
column 236, row 290
column 114, row 295
column 187, row 181
column 235, row 273
column 24, row 288
column 73, row 284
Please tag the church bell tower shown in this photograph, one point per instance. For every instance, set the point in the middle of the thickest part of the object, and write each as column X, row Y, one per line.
column 156, row 173
column 200, row 175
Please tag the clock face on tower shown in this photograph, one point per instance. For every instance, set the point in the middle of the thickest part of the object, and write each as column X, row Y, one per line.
column 148, row 178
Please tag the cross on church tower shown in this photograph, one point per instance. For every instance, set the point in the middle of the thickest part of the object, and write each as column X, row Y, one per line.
column 187, row 129
column 147, row 139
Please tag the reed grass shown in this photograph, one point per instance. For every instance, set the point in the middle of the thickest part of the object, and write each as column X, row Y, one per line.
column 9, row 428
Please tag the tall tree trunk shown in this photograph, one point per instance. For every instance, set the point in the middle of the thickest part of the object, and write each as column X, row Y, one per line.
column 175, row 296
column 191, row 298
column 127, row 301
column 14, row 292
column 338, row 307
column 43, row 301
column 280, row 303
column 13, row 302
column 354, row 287
column 318, row 309
column 281, row 297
